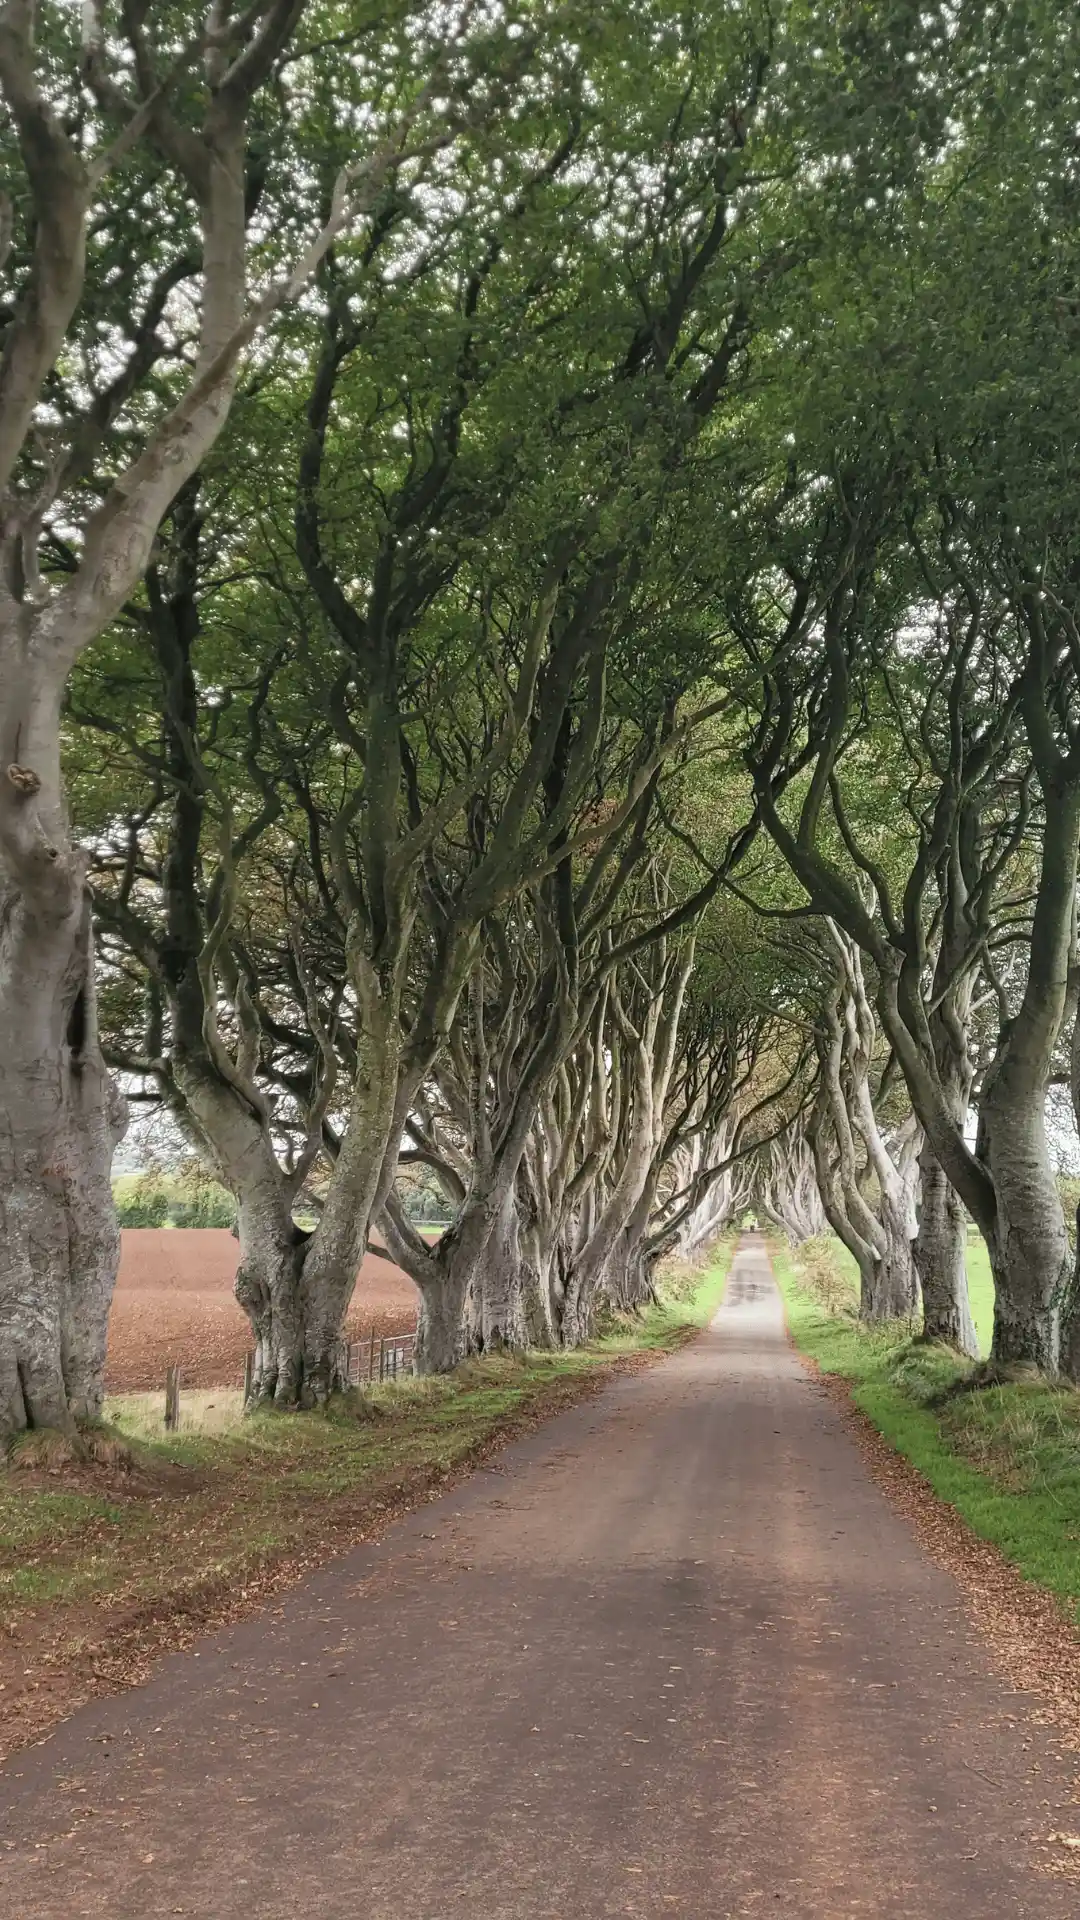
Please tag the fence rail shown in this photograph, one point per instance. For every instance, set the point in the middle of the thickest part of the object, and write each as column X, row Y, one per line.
column 376, row 1357
column 382, row 1359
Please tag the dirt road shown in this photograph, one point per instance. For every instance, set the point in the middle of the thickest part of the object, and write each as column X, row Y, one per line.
column 674, row 1655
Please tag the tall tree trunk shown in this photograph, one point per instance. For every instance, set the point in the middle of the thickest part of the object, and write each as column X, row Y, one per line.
column 1029, row 1243
column 501, row 1325
column 295, row 1287
column 449, row 1276
column 538, row 1256
column 941, row 1243
column 577, row 1307
column 1009, row 1184
column 61, row 1116
column 629, row 1281
column 269, row 1288
column 863, row 1250
column 940, row 1249
column 1029, row 1247
column 1070, row 1317
column 892, row 1293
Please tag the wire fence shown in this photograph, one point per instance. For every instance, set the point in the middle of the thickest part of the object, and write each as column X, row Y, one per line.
column 384, row 1358
column 377, row 1357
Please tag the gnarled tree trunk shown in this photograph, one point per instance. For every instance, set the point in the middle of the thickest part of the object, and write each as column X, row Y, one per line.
column 940, row 1258
column 62, row 1117
column 878, row 1238
column 500, row 1323
column 1028, row 1246
column 295, row 1286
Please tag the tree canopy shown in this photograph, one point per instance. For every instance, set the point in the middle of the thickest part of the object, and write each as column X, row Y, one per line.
column 540, row 637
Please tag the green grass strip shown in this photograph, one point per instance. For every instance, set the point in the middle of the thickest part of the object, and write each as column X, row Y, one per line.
column 1007, row 1458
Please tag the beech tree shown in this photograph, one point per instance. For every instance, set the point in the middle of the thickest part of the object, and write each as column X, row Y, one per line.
column 516, row 477
column 91, row 449
column 610, row 483
column 785, row 1187
column 142, row 273
column 927, row 942
column 866, row 1182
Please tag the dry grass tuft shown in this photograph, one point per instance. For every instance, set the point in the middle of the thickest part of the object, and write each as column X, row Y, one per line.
column 107, row 1449
column 206, row 1410
column 43, row 1450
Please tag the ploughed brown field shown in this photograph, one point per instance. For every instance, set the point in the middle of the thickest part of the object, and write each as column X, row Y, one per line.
column 174, row 1306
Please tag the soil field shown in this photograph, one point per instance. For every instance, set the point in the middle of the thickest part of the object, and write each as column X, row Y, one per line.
column 174, row 1306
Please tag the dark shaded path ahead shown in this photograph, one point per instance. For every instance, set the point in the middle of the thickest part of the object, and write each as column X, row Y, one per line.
column 673, row 1655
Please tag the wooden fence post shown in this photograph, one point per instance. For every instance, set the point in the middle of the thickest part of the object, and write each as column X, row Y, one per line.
column 172, row 1399
column 371, row 1356
column 382, row 1359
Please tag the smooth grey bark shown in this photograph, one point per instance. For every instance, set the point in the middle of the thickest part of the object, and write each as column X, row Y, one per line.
column 893, row 1291
column 471, row 1284
column 1009, row 1184
column 441, row 1334
column 1025, row 1232
column 893, row 1288
column 59, row 1116
column 786, row 1189
column 498, row 1319
column 619, row 1216
column 939, row 1249
column 859, row 1245
column 879, row 1237
column 1070, row 1319
column 59, row 1242
column 295, row 1287
column 941, row 1242
column 450, row 1274
column 539, row 1238
column 630, row 1279
column 1029, row 1246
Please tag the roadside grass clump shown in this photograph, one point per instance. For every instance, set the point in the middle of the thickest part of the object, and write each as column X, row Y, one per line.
column 1005, row 1454
column 830, row 1280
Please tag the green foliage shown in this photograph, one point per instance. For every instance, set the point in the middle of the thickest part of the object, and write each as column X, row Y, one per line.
column 142, row 1200
column 831, row 1280
column 422, row 1196
column 185, row 1198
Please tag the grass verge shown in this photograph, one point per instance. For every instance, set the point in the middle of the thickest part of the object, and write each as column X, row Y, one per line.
column 107, row 1561
column 1007, row 1457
